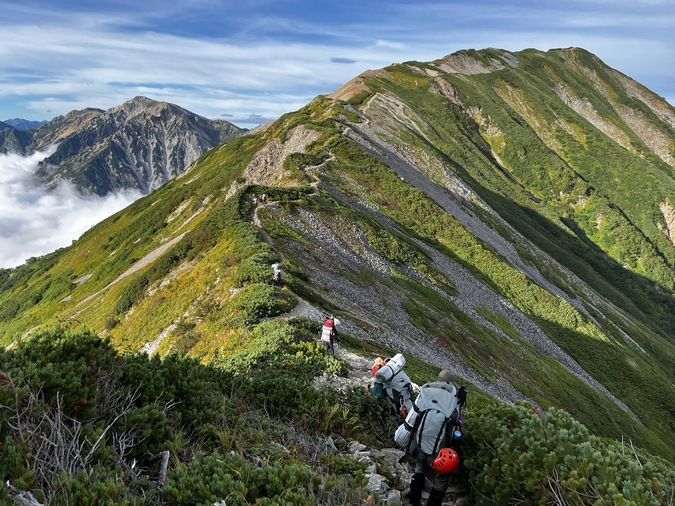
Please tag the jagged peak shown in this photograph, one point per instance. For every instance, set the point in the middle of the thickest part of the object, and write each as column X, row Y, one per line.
column 76, row 115
column 141, row 104
column 23, row 124
column 139, row 101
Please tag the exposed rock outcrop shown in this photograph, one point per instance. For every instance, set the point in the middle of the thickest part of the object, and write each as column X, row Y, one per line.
column 669, row 217
column 267, row 166
column 585, row 109
column 466, row 63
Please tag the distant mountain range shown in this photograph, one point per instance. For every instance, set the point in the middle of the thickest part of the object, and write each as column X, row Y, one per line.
column 139, row 145
column 24, row 124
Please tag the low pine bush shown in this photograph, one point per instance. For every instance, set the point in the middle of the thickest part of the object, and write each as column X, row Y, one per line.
column 82, row 424
column 514, row 455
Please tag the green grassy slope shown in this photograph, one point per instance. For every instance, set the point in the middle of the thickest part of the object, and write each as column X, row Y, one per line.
column 184, row 270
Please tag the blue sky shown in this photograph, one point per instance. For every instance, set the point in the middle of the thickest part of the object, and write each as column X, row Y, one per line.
column 251, row 60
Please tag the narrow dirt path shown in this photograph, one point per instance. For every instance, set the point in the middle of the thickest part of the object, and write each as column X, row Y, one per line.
column 315, row 191
column 302, row 310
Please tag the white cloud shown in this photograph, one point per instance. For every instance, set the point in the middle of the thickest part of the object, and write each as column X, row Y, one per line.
column 272, row 65
column 103, row 68
column 34, row 221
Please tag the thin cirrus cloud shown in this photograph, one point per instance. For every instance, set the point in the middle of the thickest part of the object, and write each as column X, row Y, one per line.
column 192, row 73
column 262, row 59
column 36, row 221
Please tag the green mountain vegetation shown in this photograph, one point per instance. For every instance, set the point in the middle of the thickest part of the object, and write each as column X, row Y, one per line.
column 508, row 216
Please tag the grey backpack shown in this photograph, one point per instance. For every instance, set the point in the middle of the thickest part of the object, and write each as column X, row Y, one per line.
column 394, row 379
column 430, row 418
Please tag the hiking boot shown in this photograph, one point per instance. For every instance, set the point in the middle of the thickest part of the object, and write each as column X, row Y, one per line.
column 416, row 487
column 436, row 497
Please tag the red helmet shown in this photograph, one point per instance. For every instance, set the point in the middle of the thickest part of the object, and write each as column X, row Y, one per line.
column 446, row 462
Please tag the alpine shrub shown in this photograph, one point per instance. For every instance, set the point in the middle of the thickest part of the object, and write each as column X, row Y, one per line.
column 211, row 478
column 513, row 455
column 259, row 300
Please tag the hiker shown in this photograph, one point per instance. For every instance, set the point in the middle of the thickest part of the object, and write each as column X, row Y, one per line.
column 377, row 387
column 329, row 334
column 277, row 274
column 431, row 435
column 397, row 384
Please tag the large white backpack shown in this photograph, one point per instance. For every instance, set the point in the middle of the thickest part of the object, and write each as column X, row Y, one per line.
column 429, row 419
column 393, row 377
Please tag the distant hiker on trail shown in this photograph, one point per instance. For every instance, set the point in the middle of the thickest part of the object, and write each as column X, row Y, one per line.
column 329, row 334
column 396, row 383
column 432, row 434
column 277, row 274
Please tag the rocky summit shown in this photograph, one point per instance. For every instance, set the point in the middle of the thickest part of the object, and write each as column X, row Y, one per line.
column 504, row 215
column 139, row 145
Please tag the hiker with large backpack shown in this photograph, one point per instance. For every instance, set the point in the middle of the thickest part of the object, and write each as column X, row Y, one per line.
column 396, row 384
column 431, row 435
column 329, row 334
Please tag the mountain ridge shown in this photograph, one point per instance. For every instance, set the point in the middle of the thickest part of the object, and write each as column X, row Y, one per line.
column 481, row 221
column 24, row 124
column 139, row 145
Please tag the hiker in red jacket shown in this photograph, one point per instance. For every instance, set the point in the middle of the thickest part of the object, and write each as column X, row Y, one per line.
column 329, row 334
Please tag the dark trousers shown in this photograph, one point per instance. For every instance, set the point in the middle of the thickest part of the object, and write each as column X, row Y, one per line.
column 330, row 347
column 423, row 463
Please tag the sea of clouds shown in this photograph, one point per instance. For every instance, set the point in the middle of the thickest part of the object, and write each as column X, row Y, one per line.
column 34, row 220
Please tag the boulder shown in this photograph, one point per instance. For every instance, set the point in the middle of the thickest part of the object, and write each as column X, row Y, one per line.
column 391, row 498
column 404, row 479
column 356, row 447
column 377, row 484
column 390, row 456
